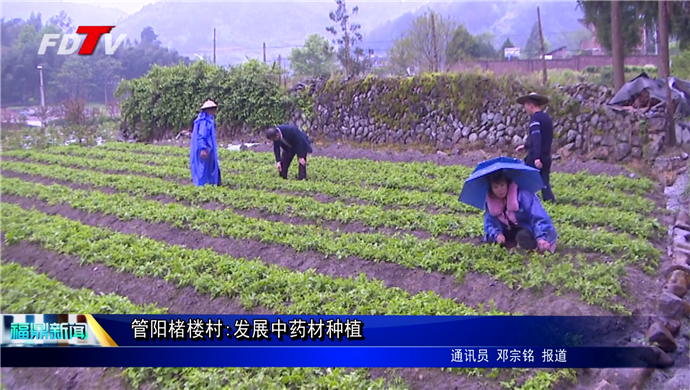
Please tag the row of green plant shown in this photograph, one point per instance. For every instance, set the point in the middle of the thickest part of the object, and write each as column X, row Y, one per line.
column 597, row 283
column 415, row 175
column 565, row 216
column 264, row 177
column 596, row 240
column 25, row 291
column 252, row 282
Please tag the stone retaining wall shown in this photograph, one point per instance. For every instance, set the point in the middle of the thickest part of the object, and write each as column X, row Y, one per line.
column 473, row 111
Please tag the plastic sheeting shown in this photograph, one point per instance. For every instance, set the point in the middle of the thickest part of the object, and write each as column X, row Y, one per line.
column 238, row 147
column 680, row 92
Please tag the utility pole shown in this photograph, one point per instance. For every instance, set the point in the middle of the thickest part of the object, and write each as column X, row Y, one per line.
column 264, row 52
column 43, row 95
column 617, row 46
column 214, row 46
column 665, row 70
column 543, row 48
column 433, row 37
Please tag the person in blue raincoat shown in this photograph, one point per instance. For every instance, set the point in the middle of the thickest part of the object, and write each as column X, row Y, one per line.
column 516, row 216
column 203, row 153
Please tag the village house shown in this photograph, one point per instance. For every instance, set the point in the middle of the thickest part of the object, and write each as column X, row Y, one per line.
column 558, row 54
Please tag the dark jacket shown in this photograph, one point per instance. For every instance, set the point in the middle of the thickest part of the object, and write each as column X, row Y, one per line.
column 293, row 140
column 540, row 137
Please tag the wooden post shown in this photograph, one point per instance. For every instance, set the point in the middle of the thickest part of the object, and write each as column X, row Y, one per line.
column 214, row 46
column 665, row 70
column 264, row 52
column 433, row 37
column 280, row 69
column 543, row 48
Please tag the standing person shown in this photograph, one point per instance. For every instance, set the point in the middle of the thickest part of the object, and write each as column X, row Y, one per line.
column 203, row 152
column 539, row 141
column 294, row 142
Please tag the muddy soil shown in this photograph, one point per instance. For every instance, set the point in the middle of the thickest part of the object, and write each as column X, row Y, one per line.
column 466, row 157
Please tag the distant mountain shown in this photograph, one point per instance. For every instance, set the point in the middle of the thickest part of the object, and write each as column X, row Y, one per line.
column 81, row 14
column 512, row 20
column 242, row 28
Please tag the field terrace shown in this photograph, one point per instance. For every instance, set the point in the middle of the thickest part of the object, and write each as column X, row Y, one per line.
column 373, row 235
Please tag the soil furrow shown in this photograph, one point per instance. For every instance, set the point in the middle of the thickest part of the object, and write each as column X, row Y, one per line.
column 469, row 158
column 350, row 227
column 147, row 290
column 476, row 288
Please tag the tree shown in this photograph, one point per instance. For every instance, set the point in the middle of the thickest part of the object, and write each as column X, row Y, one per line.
column 506, row 44
column 315, row 59
column 533, row 44
column 353, row 61
column 484, row 47
column 149, row 37
column 617, row 46
column 401, row 60
column 85, row 77
column 461, row 46
column 415, row 49
column 75, row 78
column 634, row 16
column 108, row 75
column 63, row 21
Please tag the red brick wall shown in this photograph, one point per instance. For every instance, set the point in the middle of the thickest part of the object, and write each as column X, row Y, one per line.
column 578, row 63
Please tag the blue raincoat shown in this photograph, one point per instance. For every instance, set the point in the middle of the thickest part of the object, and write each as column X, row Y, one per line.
column 204, row 137
column 530, row 215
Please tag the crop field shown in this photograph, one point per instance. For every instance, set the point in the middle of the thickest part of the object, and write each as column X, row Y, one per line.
column 119, row 228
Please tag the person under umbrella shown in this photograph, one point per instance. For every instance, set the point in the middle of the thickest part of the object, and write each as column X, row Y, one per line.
column 203, row 152
column 513, row 215
column 505, row 189
column 539, row 141
column 294, row 142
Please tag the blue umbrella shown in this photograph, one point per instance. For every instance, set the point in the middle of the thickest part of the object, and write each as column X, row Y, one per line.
column 477, row 185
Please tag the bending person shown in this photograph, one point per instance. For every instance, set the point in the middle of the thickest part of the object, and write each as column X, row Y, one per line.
column 294, row 142
column 515, row 215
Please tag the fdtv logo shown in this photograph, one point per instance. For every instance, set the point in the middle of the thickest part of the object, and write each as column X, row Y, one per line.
column 93, row 34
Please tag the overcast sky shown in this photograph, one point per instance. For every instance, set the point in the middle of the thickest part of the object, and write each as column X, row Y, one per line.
column 129, row 6
column 132, row 6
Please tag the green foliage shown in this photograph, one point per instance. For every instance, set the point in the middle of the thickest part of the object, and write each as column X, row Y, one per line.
column 25, row 291
column 597, row 282
column 314, row 59
column 70, row 77
column 395, row 101
column 604, row 75
column 637, row 14
column 250, row 281
column 533, row 44
column 681, row 65
column 461, row 45
column 169, row 98
column 417, row 46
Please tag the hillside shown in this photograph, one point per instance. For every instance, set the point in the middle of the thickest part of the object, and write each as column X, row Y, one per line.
column 502, row 19
column 81, row 14
column 242, row 28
